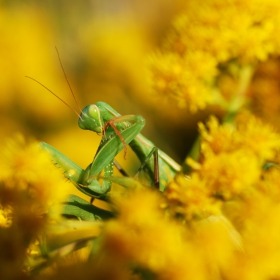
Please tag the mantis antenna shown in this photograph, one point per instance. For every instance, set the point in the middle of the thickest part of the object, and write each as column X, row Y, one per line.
column 61, row 65
column 55, row 95
column 68, row 80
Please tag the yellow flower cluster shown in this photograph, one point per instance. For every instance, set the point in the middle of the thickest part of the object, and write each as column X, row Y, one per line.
column 153, row 245
column 230, row 166
column 144, row 239
column 189, row 198
column 203, row 42
column 201, row 227
column 26, row 167
column 29, row 183
column 257, row 219
column 232, row 187
column 183, row 79
column 228, row 151
column 5, row 216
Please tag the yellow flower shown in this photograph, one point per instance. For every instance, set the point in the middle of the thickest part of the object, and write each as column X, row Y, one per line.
column 26, row 167
column 218, row 242
column 5, row 216
column 227, row 29
column 224, row 173
column 183, row 79
column 258, row 218
column 144, row 237
column 190, row 198
column 29, row 184
column 213, row 35
column 262, row 139
column 228, row 151
column 248, row 133
column 21, row 193
column 216, row 138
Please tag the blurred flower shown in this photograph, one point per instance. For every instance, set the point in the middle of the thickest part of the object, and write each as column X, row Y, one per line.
column 116, row 53
column 228, row 149
column 205, row 39
column 256, row 217
column 5, row 216
column 259, row 137
column 190, row 198
column 223, row 173
column 247, row 133
column 143, row 238
column 29, row 183
column 218, row 138
column 26, row 167
column 183, row 79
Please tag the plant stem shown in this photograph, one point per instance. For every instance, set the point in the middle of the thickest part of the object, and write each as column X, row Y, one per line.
column 232, row 108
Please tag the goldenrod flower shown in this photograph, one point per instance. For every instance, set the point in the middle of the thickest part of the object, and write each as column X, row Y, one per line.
column 216, row 138
column 190, row 198
column 218, row 242
column 228, row 149
column 248, row 133
column 5, row 216
column 224, row 173
column 257, row 219
column 183, row 79
column 262, row 139
column 26, row 167
column 145, row 238
column 212, row 36
column 29, row 183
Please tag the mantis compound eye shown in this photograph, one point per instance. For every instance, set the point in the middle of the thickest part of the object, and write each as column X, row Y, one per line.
column 90, row 119
column 93, row 112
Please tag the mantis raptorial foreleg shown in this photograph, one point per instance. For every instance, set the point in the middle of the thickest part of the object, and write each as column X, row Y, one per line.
column 111, row 144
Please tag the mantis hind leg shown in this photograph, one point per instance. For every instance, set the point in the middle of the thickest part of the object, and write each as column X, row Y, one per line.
column 121, row 170
column 154, row 153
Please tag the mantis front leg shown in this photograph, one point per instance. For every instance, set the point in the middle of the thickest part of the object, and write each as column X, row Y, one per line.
column 111, row 144
column 128, row 127
column 78, row 176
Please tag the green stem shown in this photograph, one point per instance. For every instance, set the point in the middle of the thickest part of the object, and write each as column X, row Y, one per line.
column 232, row 108
column 194, row 154
column 239, row 99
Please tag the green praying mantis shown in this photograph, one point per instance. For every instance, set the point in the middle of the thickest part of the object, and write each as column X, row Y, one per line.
column 117, row 132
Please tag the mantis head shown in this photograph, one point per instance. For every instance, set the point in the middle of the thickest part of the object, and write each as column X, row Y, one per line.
column 90, row 119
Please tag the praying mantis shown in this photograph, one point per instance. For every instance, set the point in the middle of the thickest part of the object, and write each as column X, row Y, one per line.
column 117, row 132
